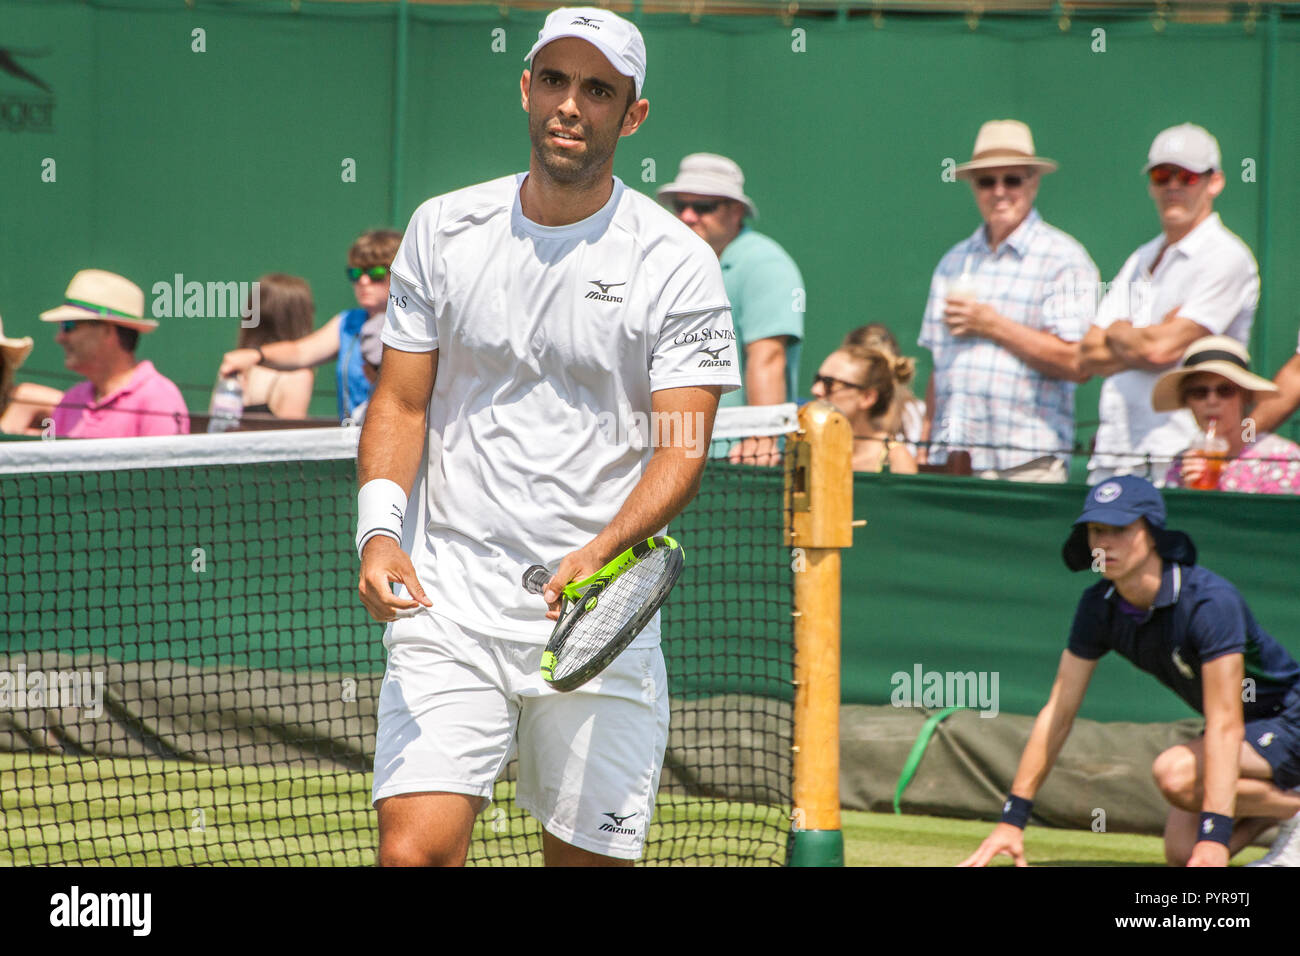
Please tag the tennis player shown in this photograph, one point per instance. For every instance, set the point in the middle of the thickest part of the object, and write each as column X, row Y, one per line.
column 525, row 315
column 1192, row 631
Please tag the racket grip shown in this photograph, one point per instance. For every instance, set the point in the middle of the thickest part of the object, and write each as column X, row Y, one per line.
column 535, row 579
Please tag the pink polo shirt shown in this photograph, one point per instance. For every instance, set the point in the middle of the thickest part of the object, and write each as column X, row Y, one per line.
column 148, row 404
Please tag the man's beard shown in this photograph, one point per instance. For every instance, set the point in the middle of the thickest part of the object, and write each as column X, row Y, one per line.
column 565, row 167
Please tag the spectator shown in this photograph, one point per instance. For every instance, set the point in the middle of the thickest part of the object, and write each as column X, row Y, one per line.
column 909, row 409
column 100, row 322
column 369, row 260
column 15, row 415
column 1276, row 408
column 763, row 284
column 1194, row 279
column 285, row 311
column 861, row 381
column 1005, row 352
column 1214, row 380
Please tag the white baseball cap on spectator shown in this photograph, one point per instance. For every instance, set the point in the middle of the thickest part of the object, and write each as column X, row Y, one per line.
column 708, row 174
column 618, row 39
column 1188, row 146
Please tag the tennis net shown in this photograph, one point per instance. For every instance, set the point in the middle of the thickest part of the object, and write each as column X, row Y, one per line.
column 187, row 676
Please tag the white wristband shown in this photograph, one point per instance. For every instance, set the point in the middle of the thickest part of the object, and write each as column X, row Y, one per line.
column 380, row 506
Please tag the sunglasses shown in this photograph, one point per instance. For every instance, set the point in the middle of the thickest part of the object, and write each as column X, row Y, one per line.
column 1009, row 180
column 1202, row 392
column 1161, row 175
column 701, row 208
column 829, row 383
column 67, row 325
column 377, row 273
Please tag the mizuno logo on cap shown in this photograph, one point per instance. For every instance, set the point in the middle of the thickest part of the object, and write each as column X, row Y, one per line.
column 585, row 22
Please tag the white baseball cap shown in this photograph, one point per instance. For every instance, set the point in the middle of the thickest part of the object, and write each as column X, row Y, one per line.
column 618, row 39
column 1189, row 146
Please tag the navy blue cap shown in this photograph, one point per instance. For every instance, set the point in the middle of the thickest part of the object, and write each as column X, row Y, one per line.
column 1120, row 501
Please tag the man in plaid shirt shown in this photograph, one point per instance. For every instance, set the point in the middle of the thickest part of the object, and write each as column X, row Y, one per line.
column 1007, row 308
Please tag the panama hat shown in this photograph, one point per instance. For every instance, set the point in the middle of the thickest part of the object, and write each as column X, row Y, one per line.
column 1219, row 354
column 14, row 352
column 1003, row 143
column 708, row 174
column 96, row 295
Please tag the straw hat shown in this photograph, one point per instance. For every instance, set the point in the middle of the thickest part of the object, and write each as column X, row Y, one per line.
column 708, row 174
column 96, row 295
column 1219, row 354
column 1003, row 143
column 14, row 352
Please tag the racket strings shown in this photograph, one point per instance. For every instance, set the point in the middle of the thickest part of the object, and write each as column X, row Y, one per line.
column 626, row 597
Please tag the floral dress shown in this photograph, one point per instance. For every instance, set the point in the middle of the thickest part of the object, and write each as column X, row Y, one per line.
column 1268, row 466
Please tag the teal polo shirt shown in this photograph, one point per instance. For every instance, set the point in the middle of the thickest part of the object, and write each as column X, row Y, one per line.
column 767, row 299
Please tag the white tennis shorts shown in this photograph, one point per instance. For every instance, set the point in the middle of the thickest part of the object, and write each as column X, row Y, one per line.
column 455, row 706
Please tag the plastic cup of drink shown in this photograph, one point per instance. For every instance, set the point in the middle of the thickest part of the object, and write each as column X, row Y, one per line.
column 1213, row 451
column 962, row 287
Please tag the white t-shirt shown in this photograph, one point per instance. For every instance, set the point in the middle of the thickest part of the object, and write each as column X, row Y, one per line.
column 1211, row 277
column 550, row 341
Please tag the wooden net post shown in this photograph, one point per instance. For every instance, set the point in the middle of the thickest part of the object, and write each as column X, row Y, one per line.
column 819, row 522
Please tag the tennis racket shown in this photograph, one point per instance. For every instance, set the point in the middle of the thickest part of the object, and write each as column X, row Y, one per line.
column 600, row 615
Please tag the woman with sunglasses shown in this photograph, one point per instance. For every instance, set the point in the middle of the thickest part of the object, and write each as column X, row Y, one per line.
column 368, row 262
column 861, row 381
column 1215, row 383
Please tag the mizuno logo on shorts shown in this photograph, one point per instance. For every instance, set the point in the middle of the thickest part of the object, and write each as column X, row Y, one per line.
column 617, row 825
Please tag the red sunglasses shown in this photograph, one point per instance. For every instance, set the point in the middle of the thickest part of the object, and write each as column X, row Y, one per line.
column 1161, row 175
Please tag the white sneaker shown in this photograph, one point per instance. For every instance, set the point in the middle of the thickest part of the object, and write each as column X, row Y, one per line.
column 1286, row 848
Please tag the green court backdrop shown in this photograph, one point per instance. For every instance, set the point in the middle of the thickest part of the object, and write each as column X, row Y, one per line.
column 122, row 146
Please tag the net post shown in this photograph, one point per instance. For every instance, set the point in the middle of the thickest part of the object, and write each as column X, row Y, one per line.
column 819, row 519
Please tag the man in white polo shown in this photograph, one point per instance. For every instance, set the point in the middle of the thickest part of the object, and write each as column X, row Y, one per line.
column 763, row 284
column 1196, row 278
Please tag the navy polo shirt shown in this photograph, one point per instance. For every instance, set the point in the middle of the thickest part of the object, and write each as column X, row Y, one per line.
column 1197, row 617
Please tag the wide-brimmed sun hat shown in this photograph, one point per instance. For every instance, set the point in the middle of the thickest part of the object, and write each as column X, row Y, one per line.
column 14, row 352
column 96, row 295
column 1004, row 143
column 708, row 174
column 1219, row 354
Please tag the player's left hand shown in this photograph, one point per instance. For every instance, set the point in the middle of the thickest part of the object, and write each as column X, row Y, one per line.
column 576, row 566
column 1209, row 853
column 966, row 318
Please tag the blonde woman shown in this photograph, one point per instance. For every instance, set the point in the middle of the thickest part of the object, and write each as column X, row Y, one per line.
column 862, row 382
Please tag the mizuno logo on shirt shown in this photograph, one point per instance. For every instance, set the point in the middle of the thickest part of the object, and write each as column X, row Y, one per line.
column 604, row 287
column 713, row 361
column 617, row 825
column 1181, row 664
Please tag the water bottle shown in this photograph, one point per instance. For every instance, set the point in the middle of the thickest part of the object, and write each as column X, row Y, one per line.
column 227, row 406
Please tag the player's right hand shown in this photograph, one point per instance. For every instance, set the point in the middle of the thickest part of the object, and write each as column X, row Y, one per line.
column 1004, row 839
column 383, row 563
column 234, row 362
